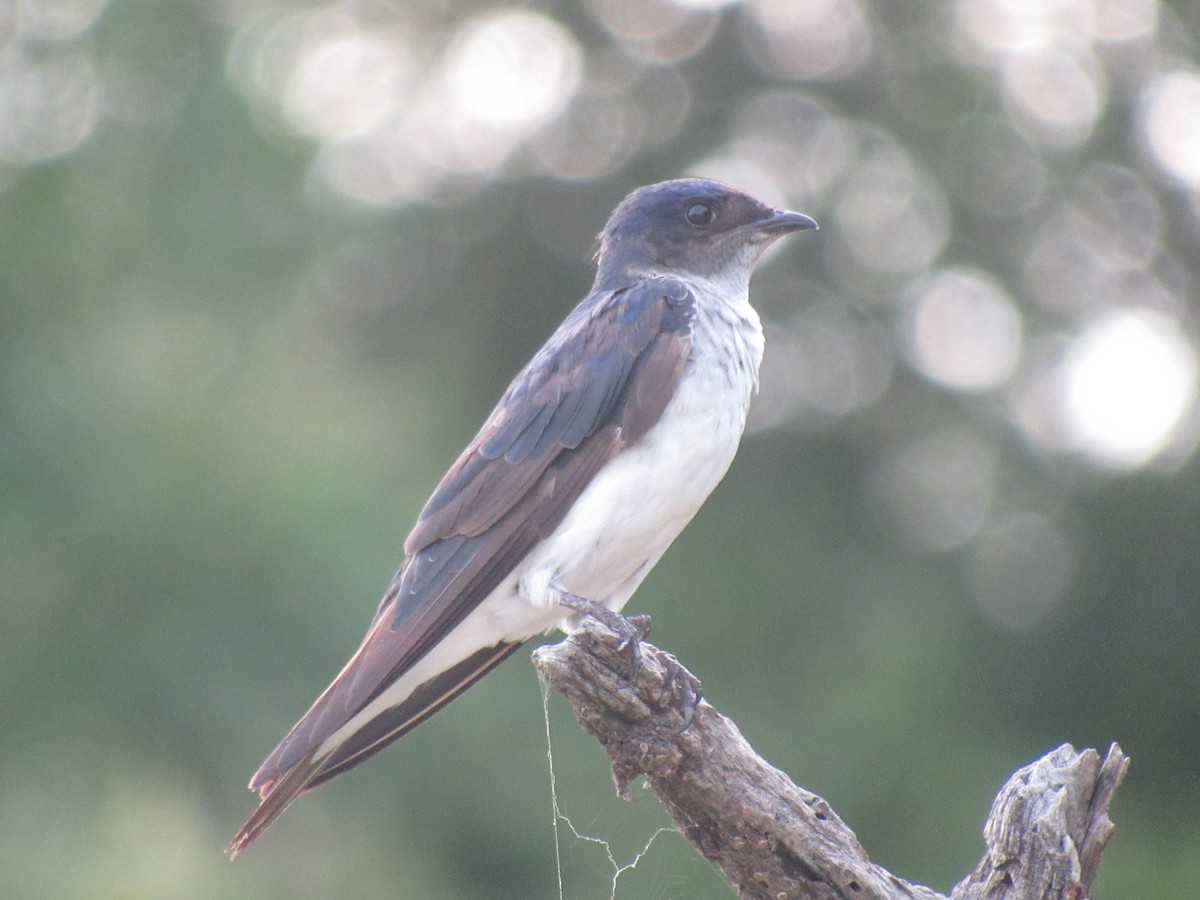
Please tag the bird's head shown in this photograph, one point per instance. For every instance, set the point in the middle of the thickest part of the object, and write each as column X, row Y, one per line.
column 692, row 226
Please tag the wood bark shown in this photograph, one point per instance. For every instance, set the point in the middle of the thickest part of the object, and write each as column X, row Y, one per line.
column 774, row 840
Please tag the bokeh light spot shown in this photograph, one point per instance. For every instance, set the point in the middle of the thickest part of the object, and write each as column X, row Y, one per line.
column 816, row 39
column 820, row 367
column 405, row 110
column 1060, row 93
column 1170, row 117
column 1119, row 21
column 48, row 106
column 58, row 20
column 638, row 19
column 513, row 69
column 1128, row 381
column 704, row 4
column 346, row 87
column 964, row 331
column 1020, row 568
column 799, row 139
column 940, row 487
column 1116, row 217
column 595, row 136
column 993, row 31
column 891, row 216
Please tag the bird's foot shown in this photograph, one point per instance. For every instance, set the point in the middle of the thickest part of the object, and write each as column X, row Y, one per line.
column 688, row 686
column 630, row 629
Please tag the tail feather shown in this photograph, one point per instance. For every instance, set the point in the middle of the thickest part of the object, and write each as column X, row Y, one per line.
column 402, row 719
column 276, row 797
column 278, row 789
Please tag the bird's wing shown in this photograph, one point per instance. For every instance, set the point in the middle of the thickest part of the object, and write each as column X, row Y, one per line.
column 597, row 386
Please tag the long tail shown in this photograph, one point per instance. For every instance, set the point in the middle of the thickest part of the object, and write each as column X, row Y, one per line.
column 275, row 799
column 278, row 791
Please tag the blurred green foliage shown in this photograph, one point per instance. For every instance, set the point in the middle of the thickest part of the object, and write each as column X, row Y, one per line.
column 227, row 384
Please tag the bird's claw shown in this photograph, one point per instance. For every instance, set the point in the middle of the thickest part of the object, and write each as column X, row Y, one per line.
column 688, row 686
column 629, row 629
column 633, row 629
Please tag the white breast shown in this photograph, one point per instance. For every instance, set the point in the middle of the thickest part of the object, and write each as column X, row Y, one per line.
column 639, row 503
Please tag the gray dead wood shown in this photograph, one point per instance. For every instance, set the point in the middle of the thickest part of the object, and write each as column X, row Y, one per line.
column 774, row 840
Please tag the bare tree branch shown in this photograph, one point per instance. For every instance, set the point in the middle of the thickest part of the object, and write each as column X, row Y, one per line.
column 1047, row 828
column 776, row 841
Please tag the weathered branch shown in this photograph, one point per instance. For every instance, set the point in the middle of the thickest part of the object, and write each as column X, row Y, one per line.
column 776, row 841
column 1048, row 826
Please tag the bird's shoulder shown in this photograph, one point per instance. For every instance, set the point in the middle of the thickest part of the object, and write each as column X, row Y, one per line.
column 577, row 380
column 605, row 374
column 618, row 318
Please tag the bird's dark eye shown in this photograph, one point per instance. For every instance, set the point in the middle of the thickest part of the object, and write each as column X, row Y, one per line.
column 699, row 214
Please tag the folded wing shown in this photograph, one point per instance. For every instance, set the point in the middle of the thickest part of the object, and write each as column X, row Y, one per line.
column 597, row 386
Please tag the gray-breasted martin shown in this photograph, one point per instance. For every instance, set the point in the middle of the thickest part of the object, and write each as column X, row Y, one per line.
column 596, row 457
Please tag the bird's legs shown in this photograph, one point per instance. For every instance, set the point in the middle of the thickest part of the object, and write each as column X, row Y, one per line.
column 688, row 686
column 631, row 629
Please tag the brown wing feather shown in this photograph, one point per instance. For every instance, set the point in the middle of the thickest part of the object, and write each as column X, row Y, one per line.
column 385, row 654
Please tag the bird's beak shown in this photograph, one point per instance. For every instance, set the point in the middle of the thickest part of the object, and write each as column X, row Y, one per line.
column 781, row 222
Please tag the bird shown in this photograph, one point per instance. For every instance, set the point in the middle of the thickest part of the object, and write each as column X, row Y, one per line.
column 596, row 457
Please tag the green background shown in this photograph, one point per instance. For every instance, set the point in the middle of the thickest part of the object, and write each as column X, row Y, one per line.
column 228, row 383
